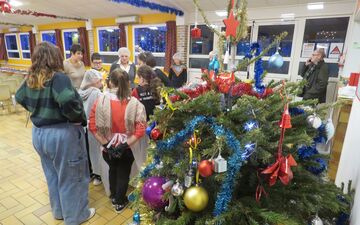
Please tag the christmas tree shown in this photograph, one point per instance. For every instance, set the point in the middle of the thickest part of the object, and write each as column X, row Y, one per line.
column 232, row 152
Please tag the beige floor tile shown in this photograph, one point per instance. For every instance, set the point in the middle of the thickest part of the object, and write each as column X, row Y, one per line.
column 23, row 191
column 11, row 220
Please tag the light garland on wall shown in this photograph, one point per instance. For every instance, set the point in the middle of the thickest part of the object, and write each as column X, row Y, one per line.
column 16, row 24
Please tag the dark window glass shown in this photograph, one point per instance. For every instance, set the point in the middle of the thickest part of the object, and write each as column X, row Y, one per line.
column 326, row 30
column 203, row 45
column 70, row 38
column 49, row 37
column 198, row 63
column 152, row 38
column 268, row 33
column 282, row 70
column 24, row 40
column 11, row 42
column 109, row 40
column 13, row 55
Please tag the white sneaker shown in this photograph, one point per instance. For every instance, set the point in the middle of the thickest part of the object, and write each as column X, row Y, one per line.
column 97, row 182
column 92, row 214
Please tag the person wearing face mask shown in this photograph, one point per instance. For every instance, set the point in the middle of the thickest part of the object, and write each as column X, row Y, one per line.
column 90, row 91
column 74, row 66
column 316, row 74
column 124, row 64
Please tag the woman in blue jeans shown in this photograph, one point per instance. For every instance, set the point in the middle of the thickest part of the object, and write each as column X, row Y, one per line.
column 58, row 118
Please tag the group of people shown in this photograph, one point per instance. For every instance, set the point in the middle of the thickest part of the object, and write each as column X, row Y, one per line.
column 90, row 124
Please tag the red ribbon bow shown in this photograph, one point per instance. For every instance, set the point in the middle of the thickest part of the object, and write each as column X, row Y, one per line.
column 281, row 169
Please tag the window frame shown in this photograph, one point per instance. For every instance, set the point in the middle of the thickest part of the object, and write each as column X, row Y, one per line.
column 24, row 51
column 46, row 32
column 300, row 59
column 98, row 41
column 156, row 54
column 17, row 44
column 63, row 40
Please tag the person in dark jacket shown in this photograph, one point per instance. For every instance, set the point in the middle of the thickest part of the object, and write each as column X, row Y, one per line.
column 178, row 72
column 316, row 73
column 124, row 64
column 147, row 91
column 151, row 61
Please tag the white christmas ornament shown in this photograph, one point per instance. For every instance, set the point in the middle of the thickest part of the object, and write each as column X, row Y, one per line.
column 330, row 130
column 188, row 179
column 314, row 121
column 220, row 164
column 177, row 189
column 226, row 57
column 317, row 221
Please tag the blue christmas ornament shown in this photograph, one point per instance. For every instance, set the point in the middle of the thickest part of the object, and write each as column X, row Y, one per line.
column 251, row 125
column 131, row 197
column 214, row 64
column 149, row 129
column 136, row 217
column 276, row 60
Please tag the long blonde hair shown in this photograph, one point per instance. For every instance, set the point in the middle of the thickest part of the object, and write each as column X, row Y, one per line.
column 46, row 60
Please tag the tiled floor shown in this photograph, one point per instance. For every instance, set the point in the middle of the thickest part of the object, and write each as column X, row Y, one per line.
column 23, row 190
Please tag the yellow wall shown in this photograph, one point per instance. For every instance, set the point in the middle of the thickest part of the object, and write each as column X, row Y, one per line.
column 158, row 18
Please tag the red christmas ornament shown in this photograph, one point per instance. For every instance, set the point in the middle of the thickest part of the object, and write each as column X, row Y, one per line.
column 5, row 6
column 205, row 168
column 196, row 32
column 231, row 25
column 224, row 81
column 281, row 169
column 241, row 89
column 285, row 118
column 156, row 134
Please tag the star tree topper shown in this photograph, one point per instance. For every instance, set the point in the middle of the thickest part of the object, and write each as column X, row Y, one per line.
column 231, row 25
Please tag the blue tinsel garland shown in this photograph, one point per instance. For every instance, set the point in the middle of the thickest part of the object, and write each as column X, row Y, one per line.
column 150, row 5
column 234, row 163
column 259, row 70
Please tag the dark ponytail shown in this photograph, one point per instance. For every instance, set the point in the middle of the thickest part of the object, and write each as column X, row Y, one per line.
column 154, row 83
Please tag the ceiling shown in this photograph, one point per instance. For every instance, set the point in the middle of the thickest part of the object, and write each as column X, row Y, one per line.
column 105, row 8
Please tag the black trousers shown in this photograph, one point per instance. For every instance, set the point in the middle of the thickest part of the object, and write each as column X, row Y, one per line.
column 119, row 175
column 88, row 149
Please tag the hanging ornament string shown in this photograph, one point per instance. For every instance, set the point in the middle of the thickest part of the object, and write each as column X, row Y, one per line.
column 282, row 167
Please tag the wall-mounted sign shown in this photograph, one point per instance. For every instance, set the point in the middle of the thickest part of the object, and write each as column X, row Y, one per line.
column 307, row 50
column 335, row 50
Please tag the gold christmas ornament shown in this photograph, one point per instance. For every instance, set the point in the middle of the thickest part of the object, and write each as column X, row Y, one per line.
column 196, row 198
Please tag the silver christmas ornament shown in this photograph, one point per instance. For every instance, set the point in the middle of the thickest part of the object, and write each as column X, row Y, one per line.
column 314, row 121
column 220, row 164
column 317, row 221
column 177, row 189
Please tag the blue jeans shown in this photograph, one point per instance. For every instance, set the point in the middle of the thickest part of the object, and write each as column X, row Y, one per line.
column 64, row 160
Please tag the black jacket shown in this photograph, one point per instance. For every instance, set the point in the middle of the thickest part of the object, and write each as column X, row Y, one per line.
column 132, row 72
column 161, row 75
column 317, row 82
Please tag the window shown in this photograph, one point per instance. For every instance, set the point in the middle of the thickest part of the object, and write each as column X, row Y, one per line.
column 153, row 39
column 70, row 37
column 203, row 45
column 326, row 31
column 267, row 34
column 244, row 44
column 11, row 46
column 25, row 45
column 48, row 36
column 108, row 42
